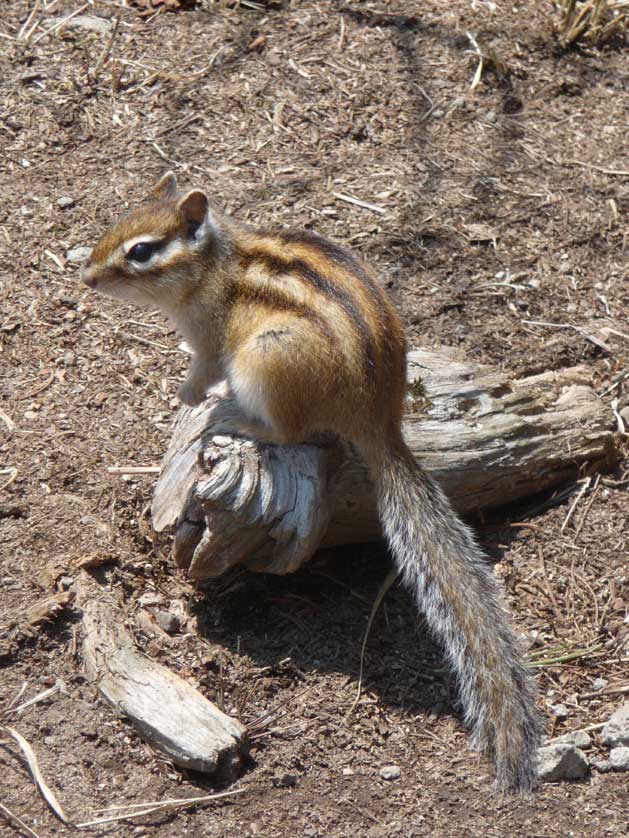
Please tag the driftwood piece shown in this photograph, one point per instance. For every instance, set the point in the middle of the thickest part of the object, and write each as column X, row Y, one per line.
column 167, row 712
column 488, row 439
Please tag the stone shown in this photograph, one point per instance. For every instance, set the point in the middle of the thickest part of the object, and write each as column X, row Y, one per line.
column 602, row 766
column 619, row 759
column 616, row 731
column 167, row 621
column 560, row 711
column 390, row 772
column 561, row 762
column 151, row 598
column 578, row 738
column 65, row 202
column 601, row 683
column 79, row 254
column 285, row 781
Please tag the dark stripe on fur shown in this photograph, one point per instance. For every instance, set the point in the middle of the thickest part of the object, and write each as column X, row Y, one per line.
column 274, row 299
column 298, row 267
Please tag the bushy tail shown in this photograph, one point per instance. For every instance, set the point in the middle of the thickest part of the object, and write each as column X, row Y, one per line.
column 464, row 606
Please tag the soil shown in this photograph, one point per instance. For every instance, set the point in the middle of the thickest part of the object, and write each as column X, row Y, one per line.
column 499, row 229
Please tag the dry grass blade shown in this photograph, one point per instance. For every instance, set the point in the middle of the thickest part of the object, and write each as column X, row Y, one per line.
column 9, row 708
column 592, row 20
column 157, row 806
column 390, row 578
column 10, row 816
column 535, row 660
column 42, row 696
column 61, row 23
column 33, row 765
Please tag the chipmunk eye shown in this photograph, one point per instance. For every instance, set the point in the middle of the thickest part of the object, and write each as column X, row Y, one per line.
column 141, row 252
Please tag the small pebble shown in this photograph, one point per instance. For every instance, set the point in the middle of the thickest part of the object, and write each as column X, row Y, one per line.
column 602, row 765
column 151, row 598
column 64, row 202
column 616, row 731
column 561, row 762
column 619, row 759
column 490, row 116
column 560, row 711
column 601, row 683
column 78, row 254
column 578, row 738
column 69, row 358
column 285, row 781
column 167, row 622
column 390, row 772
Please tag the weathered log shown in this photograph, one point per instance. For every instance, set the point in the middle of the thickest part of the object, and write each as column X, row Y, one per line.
column 488, row 439
column 167, row 712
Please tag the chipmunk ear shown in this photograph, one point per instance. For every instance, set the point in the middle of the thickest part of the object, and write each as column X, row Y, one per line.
column 195, row 208
column 166, row 186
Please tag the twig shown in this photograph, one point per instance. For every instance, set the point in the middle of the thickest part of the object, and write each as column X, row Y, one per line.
column 12, row 817
column 7, row 421
column 619, row 172
column 481, row 61
column 42, row 696
column 618, row 381
column 150, row 808
column 390, row 578
column 134, row 470
column 147, row 342
column 570, row 656
column 36, row 390
column 341, row 41
column 12, row 471
column 183, row 123
column 583, row 490
column 587, row 509
column 21, row 36
column 45, row 791
column 622, row 690
column 357, row 202
column 107, row 48
column 61, row 23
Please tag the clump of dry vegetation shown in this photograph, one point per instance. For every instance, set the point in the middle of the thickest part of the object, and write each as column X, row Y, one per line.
column 595, row 21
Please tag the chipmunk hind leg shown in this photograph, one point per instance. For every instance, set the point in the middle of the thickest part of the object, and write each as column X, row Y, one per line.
column 279, row 379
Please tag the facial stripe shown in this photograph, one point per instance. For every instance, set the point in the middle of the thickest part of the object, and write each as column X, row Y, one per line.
column 166, row 253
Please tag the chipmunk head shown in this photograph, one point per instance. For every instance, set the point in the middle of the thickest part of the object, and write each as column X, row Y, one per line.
column 156, row 253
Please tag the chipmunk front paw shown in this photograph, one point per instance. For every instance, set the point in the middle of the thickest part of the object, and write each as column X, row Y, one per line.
column 191, row 393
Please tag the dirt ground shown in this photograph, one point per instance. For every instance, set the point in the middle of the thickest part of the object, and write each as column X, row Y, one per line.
column 500, row 229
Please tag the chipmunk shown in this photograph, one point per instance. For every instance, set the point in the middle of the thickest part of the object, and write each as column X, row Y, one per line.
column 309, row 343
